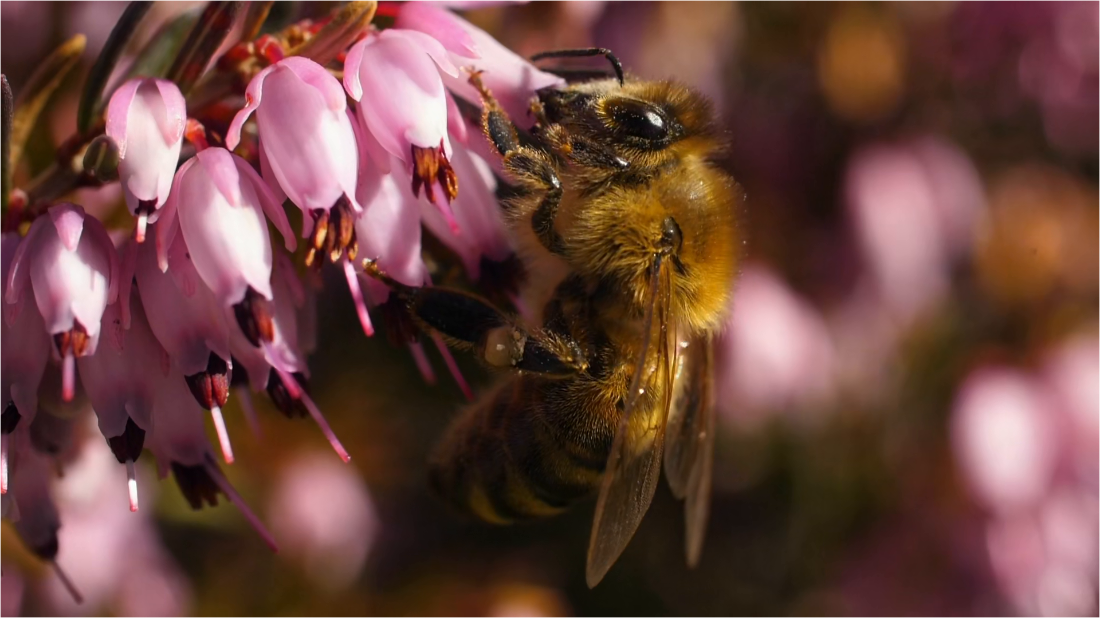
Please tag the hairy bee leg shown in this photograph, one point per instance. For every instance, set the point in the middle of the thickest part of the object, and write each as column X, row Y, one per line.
column 582, row 150
column 531, row 168
column 468, row 321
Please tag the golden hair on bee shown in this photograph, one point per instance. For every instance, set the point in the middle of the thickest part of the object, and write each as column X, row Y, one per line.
column 628, row 234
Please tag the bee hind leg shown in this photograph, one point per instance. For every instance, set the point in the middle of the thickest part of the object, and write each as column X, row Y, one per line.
column 468, row 321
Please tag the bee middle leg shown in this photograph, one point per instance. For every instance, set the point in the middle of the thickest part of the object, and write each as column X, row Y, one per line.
column 468, row 321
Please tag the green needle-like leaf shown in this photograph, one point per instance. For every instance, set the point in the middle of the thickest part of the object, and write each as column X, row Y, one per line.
column 91, row 100
column 206, row 37
column 38, row 90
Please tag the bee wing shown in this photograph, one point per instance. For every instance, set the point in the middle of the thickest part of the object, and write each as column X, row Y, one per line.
column 689, row 453
column 634, row 465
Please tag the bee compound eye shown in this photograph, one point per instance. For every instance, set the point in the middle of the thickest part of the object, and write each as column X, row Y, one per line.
column 639, row 119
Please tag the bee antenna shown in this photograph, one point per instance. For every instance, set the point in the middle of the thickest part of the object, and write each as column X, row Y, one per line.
column 584, row 53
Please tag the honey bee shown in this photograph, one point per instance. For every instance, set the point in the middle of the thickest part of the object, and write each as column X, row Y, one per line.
column 627, row 230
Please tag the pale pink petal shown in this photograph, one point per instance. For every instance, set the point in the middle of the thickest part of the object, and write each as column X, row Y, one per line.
column 352, row 61
column 169, row 222
column 68, row 220
column 428, row 45
column 403, row 102
column 153, row 142
column 189, row 325
column 269, row 177
column 316, row 76
column 17, row 273
column 97, row 234
column 271, row 204
column 512, row 79
column 252, row 96
column 456, row 124
column 26, row 347
column 389, row 230
column 230, row 246
column 439, row 24
column 175, row 118
column 118, row 110
column 311, row 149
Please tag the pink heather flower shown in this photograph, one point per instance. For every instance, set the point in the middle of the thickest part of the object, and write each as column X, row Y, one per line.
column 69, row 262
column 29, row 504
column 146, row 118
column 512, row 80
column 107, row 550
column 179, row 443
column 121, row 381
column 477, row 210
column 191, row 324
column 324, row 517
column 402, row 102
column 183, row 313
column 26, row 348
column 307, row 147
column 219, row 203
column 1004, row 438
column 775, row 352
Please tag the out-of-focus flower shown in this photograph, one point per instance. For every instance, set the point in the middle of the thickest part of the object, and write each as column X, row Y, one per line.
column 402, row 102
column 69, row 262
column 26, row 349
column 121, row 381
column 179, row 443
column 146, row 118
column 914, row 208
column 775, row 351
column 105, row 548
column 512, row 80
column 307, row 148
column 190, row 323
column 324, row 517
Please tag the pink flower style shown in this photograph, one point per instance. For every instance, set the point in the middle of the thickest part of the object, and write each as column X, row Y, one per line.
column 69, row 262
column 146, row 118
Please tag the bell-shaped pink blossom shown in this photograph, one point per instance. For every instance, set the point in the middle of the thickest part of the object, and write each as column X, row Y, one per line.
column 121, row 381
column 483, row 233
column 219, row 202
column 182, row 312
column 30, row 506
column 511, row 79
column 191, row 324
column 70, row 263
column 26, row 348
column 146, row 118
column 305, row 133
column 403, row 104
column 179, row 443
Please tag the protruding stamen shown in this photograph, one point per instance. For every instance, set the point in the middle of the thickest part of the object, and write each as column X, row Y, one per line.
column 431, row 168
column 357, row 296
column 297, row 392
column 68, row 377
column 223, row 434
column 244, row 397
column 452, row 366
column 142, row 223
column 67, row 583
column 3, row 463
column 422, row 362
column 131, row 485
column 231, row 493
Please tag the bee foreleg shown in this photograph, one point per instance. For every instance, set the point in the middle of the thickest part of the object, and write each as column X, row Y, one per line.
column 582, row 150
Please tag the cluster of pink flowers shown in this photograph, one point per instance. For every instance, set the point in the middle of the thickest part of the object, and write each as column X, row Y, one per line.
column 156, row 326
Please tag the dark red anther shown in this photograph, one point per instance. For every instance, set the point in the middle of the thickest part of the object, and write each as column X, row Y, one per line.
column 270, row 49
column 211, row 387
column 127, row 445
column 196, row 484
column 254, row 316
